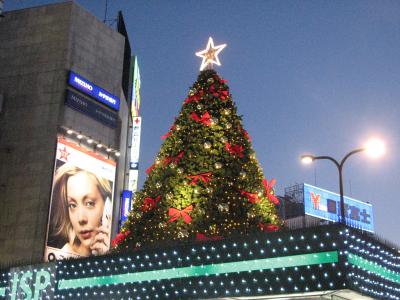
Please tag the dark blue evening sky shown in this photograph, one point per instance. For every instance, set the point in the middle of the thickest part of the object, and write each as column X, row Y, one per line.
column 307, row 76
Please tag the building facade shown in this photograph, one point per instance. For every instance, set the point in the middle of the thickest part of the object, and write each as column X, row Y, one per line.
column 63, row 87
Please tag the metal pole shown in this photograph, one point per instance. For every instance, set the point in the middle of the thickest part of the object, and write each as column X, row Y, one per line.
column 342, row 214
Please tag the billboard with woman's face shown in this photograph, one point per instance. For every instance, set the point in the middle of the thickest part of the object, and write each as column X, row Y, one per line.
column 81, row 203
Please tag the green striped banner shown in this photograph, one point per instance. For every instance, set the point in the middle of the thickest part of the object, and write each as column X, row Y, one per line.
column 373, row 267
column 212, row 269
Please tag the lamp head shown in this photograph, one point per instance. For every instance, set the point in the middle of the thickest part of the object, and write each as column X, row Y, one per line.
column 375, row 148
column 307, row 159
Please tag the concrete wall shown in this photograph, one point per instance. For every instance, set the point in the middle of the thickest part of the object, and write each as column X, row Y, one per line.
column 37, row 48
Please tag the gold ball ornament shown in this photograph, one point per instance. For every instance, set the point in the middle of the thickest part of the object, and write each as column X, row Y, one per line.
column 251, row 215
column 158, row 185
column 228, row 125
column 207, row 145
column 162, row 225
column 178, row 127
column 243, row 174
column 212, row 228
column 218, row 165
column 210, row 80
column 180, row 171
column 224, row 139
column 214, row 121
column 226, row 111
column 192, row 91
column 223, row 207
column 199, row 106
column 183, row 233
column 172, row 165
column 169, row 196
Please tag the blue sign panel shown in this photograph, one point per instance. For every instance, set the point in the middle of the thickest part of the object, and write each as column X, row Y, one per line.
column 91, row 109
column 125, row 205
column 89, row 88
column 326, row 205
column 134, row 165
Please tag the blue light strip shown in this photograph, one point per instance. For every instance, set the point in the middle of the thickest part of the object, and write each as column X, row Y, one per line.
column 203, row 270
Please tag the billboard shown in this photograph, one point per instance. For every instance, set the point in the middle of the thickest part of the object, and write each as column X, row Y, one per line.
column 324, row 204
column 134, row 154
column 80, row 216
column 89, row 88
column 135, row 107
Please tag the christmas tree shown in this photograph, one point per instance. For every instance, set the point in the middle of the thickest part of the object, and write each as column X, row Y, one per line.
column 205, row 182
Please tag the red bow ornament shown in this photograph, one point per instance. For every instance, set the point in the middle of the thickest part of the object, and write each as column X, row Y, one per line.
column 246, row 135
column 119, row 238
column 203, row 238
column 269, row 192
column 253, row 198
column 169, row 132
column 175, row 159
column 235, row 149
column 149, row 169
column 194, row 98
column 268, row 227
column 206, row 177
column 176, row 214
column 224, row 94
column 205, row 119
column 150, row 203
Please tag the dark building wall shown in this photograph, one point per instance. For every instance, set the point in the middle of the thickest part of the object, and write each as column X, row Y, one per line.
column 37, row 48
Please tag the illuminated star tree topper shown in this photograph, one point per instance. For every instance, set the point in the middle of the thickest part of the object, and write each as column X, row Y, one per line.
column 210, row 54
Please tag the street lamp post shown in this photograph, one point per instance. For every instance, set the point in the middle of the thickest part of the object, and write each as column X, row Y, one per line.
column 374, row 147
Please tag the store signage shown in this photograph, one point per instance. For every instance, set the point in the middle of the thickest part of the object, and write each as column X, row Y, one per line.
column 32, row 282
column 91, row 109
column 89, row 88
column 324, row 204
column 126, row 204
column 134, row 154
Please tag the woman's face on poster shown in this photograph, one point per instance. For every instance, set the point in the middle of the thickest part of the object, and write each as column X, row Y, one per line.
column 85, row 207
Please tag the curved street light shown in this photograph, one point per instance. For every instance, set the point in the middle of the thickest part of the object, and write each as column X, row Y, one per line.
column 374, row 148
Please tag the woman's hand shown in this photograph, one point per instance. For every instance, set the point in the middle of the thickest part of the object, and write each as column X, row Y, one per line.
column 101, row 242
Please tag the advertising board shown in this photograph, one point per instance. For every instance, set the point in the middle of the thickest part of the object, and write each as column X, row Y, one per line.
column 80, row 217
column 91, row 109
column 89, row 88
column 134, row 154
column 324, row 204
column 135, row 107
